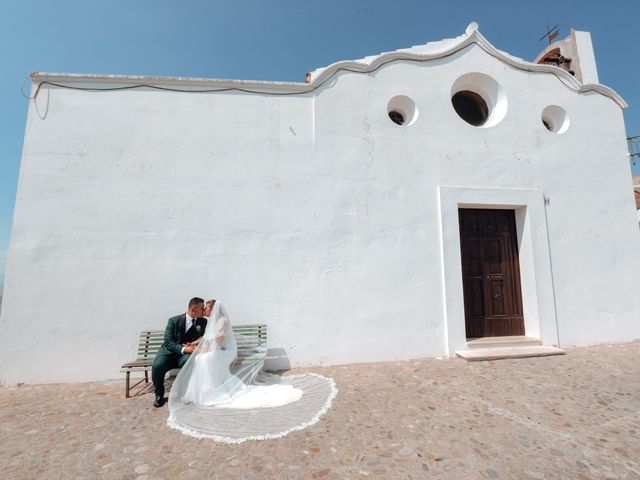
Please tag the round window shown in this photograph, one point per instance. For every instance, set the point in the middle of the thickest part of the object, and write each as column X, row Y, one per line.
column 479, row 100
column 471, row 107
column 402, row 110
column 555, row 119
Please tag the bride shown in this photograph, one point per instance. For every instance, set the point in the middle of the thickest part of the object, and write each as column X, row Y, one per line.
column 212, row 398
column 206, row 379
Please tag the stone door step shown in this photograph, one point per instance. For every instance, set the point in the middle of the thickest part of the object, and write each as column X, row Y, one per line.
column 512, row 341
column 481, row 354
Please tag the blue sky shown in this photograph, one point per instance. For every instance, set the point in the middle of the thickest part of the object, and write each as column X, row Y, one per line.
column 275, row 40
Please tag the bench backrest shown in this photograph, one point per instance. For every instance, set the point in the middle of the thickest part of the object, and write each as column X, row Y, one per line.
column 250, row 338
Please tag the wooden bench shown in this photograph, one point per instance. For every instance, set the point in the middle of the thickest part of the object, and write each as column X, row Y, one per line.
column 252, row 347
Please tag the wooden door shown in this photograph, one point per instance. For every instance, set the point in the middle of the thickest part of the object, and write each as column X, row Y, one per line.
column 490, row 273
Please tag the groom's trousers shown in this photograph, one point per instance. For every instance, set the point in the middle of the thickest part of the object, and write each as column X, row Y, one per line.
column 164, row 362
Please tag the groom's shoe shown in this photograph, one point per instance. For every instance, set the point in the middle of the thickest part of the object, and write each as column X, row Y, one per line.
column 159, row 401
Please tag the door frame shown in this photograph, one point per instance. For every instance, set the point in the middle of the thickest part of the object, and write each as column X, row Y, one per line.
column 538, row 301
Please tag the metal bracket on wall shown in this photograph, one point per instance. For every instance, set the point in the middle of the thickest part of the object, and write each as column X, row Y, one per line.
column 633, row 144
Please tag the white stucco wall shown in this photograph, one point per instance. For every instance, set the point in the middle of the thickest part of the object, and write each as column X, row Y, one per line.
column 314, row 214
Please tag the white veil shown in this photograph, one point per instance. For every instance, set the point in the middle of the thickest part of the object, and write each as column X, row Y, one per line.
column 206, row 379
column 219, row 396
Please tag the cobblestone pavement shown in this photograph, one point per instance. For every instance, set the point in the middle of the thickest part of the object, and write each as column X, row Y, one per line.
column 575, row 416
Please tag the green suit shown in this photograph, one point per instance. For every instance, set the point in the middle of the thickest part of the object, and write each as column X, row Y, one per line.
column 170, row 355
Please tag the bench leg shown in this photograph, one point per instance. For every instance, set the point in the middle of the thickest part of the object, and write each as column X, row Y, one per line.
column 126, row 386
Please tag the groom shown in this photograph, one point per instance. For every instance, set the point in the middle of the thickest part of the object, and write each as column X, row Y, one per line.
column 181, row 332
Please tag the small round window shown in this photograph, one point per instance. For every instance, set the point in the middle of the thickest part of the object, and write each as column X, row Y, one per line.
column 555, row 119
column 402, row 110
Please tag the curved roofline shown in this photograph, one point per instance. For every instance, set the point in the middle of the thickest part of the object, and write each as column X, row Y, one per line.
column 472, row 36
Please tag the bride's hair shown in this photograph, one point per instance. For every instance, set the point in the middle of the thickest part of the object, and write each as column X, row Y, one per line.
column 210, row 303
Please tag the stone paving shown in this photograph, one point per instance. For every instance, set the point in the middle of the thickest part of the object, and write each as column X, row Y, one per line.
column 575, row 416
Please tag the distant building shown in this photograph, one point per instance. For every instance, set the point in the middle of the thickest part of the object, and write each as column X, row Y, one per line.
column 391, row 207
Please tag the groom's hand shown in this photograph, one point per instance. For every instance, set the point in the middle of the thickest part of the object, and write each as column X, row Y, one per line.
column 189, row 348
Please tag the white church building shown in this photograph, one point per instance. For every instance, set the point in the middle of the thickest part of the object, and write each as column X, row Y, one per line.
column 387, row 208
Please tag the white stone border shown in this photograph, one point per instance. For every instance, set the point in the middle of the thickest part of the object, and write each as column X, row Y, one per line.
column 538, row 300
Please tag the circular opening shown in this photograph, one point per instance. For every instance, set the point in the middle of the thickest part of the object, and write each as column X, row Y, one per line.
column 402, row 110
column 396, row 117
column 471, row 107
column 555, row 119
column 479, row 100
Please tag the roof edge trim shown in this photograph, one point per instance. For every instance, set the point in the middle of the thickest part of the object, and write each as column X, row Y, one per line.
column 188, row 82
column 472, row 36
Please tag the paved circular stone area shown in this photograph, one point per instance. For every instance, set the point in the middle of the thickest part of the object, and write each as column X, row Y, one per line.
column 575, row 416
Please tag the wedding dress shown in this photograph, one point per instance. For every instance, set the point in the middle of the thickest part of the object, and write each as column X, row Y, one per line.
column 213, row 397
